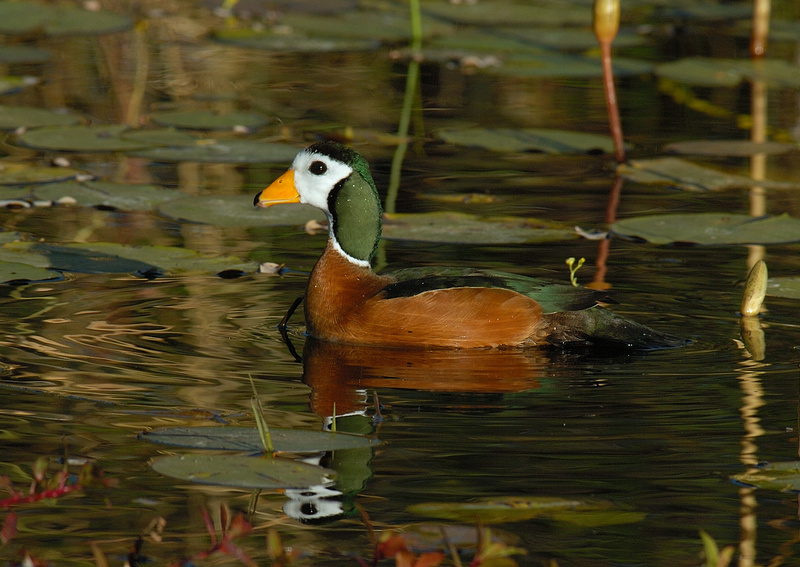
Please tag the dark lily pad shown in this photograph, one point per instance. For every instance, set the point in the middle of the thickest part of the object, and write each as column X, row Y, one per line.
column 124, row 196
column 684, row 174
column 12, row 173
column 528, row 140
column 784, row 287
column 16, row 273
column 13, row 117
column 708, row 72
column 243, row 472
column 85, row 261
column 23, row 54
column 80, row 139
column 294, row 43
column 781, row 476
column 532, row 65
column 465, row 228
column 516, row 509
column 710, row 228
column 737, row 148
column 223, row 151
column 237, row 210
column 208, row 120
column 521, row 14
column 247, row 439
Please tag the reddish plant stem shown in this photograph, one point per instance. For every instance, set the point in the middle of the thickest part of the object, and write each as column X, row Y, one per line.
column 611, row 102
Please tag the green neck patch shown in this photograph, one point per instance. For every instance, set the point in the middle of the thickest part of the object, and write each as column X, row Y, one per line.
column 356, row 213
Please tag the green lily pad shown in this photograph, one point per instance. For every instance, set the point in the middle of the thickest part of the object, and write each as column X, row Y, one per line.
column 569, row 38
column 555, row 65
column 684, row 174
column 490, row 14
column 243, row 472
column 18, row 252
column 163, row 137
column 237, row 210
column 223, row 151
column 710, row 228
column 701, row 71
column 25, row 174
column 294, row 43
column 528, row 140
column 13, row 117
column 123, row 196
column 247, row 439
column 464, row 228
column 208, row 120
column 737, row 148
column 517, row 509
column 781, row 476
column 86, row 261
column 23, row 54
column 785, row 286
column 80, row 139
column 15, row 272
column 24, row 18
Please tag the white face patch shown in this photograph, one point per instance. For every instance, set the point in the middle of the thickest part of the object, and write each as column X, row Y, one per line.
column 315, row 176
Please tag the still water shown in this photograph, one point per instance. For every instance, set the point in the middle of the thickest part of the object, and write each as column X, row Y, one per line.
column 90, row 362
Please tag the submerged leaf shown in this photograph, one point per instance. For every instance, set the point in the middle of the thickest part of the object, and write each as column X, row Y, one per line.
column 528, row 140
column 710, row 228
column 237, row 210
column 243, row 472
column 247, row 439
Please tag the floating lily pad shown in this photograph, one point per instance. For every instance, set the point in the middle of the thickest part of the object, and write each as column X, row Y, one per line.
column 465, row 228
column 247, row 439
column 490, row 14
column 13, row 117
column 28, row 17
column 782, row 476
column 23, row 54
column 124, row 196
column 163, row 137
column 784, row 287
column 208, row 120
column 701, row 71
column 237, row 210
column 737, row 148
column 86, row 261
column 528, row 140
column 17, row 273
column 684, row 174
column 569, row 38
column 24, row 174
column 532, row 65
column 516, row 509
column 243, row 472
column 294, row 43
column 710, row 228
column 223, row 151
column 80, row 139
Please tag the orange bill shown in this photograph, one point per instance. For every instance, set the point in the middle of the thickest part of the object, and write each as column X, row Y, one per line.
column 282, row 190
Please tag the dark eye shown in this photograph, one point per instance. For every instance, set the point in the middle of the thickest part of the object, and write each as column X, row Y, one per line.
column 318, row 168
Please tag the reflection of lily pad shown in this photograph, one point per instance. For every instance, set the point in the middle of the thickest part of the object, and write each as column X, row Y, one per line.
column 270, row 41
column 710, row 228
column 208, row 120
column 784, row 287
column 25, row 174
column 224, row 151
column 80, row 139
column 13, row 117
column 528, row 140
column 248, row 439
column 472, row 229
column 709, row 72
column 690, row 176
column 237, row 210
column 243, row 472
column 516, row 509
column 782, row 476
column 29, row 17
column 124, row 196
column 741, row 148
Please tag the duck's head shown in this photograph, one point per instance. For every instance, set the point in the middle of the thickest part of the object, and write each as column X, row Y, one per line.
column 336, row 180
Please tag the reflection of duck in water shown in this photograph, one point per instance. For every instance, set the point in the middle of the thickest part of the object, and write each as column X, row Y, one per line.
column 346, row 302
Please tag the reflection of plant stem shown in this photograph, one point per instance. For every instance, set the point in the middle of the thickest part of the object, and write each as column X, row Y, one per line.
column 758, row 39
column 604, row 248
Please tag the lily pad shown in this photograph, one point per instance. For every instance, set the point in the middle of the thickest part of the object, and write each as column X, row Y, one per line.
column 208, row 120
column 80, row 139
column 25, row 174
column 294, row 43
column 701, row 71
column 557, row 65
column 464, row 228
column 237, row 210
column 784, row 287
column 24, row 18
column 163, row 137
column 781, row 476
column 710, row 228
column 517, row 509
column 247, row 439
column 686, row 175
column 13, row 272
column 223, row 151
column 528, row 140
column 522, row 14
column 243, row 472
column 123, row 196
column 13, row 117
column 23, row 54
column 735, row 148
column 10, row 84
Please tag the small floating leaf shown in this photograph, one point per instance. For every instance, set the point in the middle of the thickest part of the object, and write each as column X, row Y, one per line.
column 80, row 139
column 710, row 228
column 782, row 476
column 123, row 196
column 247, row 439
column 25, row 174
column 472, row 229
column 208, row 120
column 223, row 151
column 13, row 117
column 784, row 287
column 243, row 472
column 237, row 210
column 742, row 148
column 16, row 272
column 528, row 140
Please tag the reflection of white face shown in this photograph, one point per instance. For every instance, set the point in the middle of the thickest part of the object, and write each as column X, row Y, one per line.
column 315, row 176
column 313, row 504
